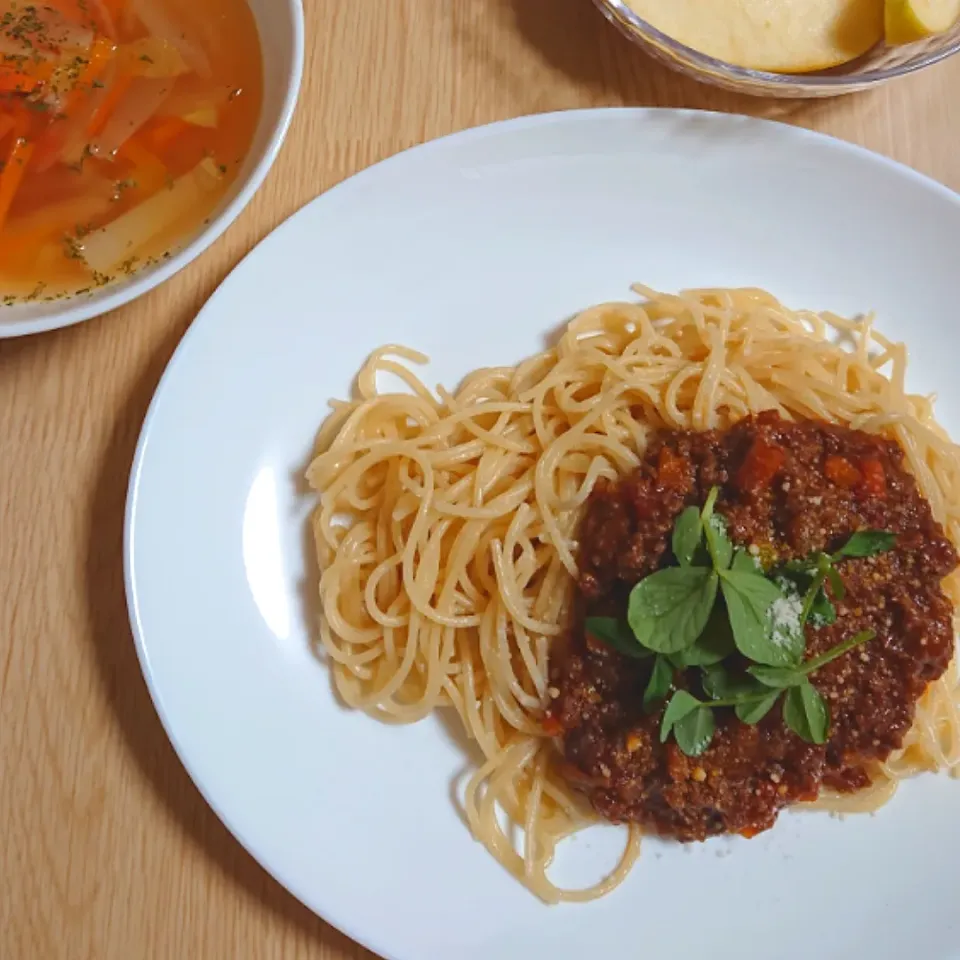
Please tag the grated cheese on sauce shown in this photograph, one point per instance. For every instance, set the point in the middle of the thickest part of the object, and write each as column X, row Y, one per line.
column 785, row 619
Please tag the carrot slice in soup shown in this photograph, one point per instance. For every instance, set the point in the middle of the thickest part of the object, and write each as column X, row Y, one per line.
column 25, row 76
column 166, row 131
column 101, row 53
column 15, row 81
column 77, row 108
column 13, row 171
column 143, row 99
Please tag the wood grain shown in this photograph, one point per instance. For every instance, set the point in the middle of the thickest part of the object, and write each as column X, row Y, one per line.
column 106, row 848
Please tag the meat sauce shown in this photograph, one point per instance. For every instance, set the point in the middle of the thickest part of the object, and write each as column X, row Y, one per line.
column 786, row 489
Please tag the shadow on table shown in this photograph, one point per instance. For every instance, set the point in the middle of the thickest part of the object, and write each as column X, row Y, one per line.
column 574, row 38
column 124, row 684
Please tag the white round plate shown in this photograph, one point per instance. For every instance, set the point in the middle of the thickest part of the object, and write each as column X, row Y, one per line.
column 472, row 249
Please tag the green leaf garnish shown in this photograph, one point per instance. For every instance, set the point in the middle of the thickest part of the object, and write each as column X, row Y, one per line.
column 616, row 635
column 669, row 609
column 694, row 731
column 749, row 598
column 822, row 612
column 661, row 680
column 744, row 562
column 738, row 690
column 845, row 646
column 720, row 684
column 836, row 583
column 777, row 677
column 796, row 583
column 712, row 646
column 793, row 676
column 681, row 704
column 806, row 714
column 824, row 564
column 718, row 541
column 709, row 504
column 812, row 573
column 687, row 536
column 675, row 613
column 867, row 543
column 752, row 711
column 753, row 697
column 786, row 626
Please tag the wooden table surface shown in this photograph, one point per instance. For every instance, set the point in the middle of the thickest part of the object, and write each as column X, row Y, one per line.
column 106, row 848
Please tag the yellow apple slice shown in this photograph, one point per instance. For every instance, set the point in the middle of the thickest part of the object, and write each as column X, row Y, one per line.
column 784, row 36
column 909, row 20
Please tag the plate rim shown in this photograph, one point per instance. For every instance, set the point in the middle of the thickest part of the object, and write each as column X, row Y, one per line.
column 353, row 182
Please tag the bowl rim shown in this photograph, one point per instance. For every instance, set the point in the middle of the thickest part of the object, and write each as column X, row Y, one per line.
column 621, row 15
column 76, row 310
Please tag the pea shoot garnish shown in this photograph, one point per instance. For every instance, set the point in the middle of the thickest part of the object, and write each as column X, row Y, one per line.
column 718, row 601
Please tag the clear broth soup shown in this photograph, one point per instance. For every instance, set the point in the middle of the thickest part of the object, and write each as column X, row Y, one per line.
column 122, row 125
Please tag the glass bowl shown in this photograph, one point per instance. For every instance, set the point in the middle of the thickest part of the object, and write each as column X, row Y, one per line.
column 877, row 66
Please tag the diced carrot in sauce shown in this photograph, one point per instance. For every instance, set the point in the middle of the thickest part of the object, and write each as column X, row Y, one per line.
column 761, row 464
column 874, row 479
column 842, row 472
column 750, row 832
column 671, row 469
column 551, row 726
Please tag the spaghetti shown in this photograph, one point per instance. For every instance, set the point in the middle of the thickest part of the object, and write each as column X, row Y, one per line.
column 446, row 529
